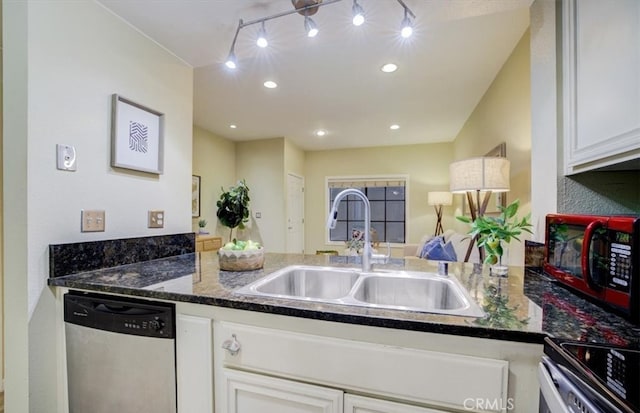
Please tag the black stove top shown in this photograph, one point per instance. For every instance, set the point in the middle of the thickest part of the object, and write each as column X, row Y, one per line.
column 611, row 371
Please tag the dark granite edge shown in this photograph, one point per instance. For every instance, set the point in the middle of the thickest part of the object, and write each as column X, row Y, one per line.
column 324, row 315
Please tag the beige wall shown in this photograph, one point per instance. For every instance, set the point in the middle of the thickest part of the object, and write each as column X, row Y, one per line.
column 62, row 62
column 264, row 164
column 214, row 160
column 261, row 163
column 294, row 158
column 504, row 115
column 426, row 165
column 1, row 231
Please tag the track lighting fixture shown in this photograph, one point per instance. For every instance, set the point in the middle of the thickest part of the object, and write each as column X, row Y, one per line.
column 307, row 8
column 358, row 14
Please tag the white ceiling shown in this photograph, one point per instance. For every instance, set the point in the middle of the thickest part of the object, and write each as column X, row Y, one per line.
column 333, row 81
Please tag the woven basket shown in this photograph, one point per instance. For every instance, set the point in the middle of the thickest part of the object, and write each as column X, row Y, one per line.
column 248, row 260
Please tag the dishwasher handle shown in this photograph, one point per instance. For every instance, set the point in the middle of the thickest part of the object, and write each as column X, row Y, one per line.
column 123, row 309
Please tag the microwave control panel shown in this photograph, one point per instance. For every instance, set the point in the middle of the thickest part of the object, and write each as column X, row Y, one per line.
column 620, row 261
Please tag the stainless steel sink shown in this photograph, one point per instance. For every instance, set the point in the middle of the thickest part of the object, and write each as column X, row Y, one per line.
column 399, row 290
column 410, row 292
column 308, row 282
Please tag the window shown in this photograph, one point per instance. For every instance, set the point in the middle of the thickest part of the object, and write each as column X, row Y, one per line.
column 388, row 208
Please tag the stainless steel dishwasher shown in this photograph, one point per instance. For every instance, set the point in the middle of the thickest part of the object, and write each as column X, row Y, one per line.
column 120, row 354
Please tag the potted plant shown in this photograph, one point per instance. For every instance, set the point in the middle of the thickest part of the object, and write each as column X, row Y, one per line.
column 233, row 212
column 201, row 224
column 495, row 233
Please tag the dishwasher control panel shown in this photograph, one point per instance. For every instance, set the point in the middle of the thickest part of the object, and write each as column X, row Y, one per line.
column 120, row 315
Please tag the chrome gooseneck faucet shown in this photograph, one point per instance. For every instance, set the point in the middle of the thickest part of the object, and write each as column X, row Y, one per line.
column 333, row 218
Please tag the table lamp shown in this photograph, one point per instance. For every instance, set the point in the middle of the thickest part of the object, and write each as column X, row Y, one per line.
column 480, row 175
column 438, row 199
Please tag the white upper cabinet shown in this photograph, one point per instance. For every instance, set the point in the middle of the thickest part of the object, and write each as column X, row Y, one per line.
column 601, row 83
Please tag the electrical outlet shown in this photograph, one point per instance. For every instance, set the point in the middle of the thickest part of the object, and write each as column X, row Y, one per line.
column 92, row 221
column 156, row 219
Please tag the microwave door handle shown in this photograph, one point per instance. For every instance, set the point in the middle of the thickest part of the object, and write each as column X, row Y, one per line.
column 586, row 246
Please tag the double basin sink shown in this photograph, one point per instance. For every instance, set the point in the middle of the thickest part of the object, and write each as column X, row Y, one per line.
column 399, row 290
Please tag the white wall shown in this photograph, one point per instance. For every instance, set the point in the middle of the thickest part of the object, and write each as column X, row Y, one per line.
column 544, row 115
column 76, row 54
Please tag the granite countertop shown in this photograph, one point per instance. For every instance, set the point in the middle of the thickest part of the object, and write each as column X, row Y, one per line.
column 525, row 306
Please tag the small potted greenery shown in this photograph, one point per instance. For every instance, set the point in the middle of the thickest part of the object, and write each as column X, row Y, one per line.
column 495, row 233
column 233, row 212
column 201, row 224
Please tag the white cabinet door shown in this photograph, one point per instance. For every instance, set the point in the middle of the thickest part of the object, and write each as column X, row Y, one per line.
column 418, row 376
column 601, row 83
column 253, row 393
column 360, row 404
column 194, row 364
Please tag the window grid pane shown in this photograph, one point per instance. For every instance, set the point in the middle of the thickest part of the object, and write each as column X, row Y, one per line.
column 388, row 208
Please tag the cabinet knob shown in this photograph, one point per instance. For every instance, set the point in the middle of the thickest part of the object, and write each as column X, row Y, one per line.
column 232, row 345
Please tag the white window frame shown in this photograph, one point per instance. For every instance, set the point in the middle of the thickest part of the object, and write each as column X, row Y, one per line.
column 365, row 178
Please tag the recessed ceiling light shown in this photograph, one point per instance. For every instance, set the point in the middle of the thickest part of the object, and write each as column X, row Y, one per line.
column 321, row 132
column 270, row 84
column 394, row 127
column 232, row 126
column 389, row 68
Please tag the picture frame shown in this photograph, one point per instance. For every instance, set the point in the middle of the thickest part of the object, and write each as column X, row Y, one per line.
column 137, row 136
column 195, row 196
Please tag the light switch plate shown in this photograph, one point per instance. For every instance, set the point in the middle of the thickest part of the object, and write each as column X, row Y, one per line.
column 92, row 221
column 156, row 219
column 66, row 157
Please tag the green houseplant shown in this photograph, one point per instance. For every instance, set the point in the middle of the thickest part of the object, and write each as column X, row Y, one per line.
column 233, row 207
column 233, row 212
column 494, row 233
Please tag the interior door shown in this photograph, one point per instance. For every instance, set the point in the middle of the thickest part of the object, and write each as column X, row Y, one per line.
column 295, row 214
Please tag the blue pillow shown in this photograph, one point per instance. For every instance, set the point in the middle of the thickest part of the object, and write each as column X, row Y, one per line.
column 442, row 252
column 429, row 245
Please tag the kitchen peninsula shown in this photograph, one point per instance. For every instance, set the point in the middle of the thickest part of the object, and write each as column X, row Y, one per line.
column 295, row 339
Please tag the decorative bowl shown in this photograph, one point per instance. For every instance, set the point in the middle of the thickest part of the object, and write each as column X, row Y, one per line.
column 241, row 260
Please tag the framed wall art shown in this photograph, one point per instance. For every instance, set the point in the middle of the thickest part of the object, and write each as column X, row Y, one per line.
column 137, row 136
column 195, row 196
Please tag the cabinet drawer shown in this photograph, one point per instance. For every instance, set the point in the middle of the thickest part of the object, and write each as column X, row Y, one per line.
column 212, row 244
column 208, row 243
column 421, row 376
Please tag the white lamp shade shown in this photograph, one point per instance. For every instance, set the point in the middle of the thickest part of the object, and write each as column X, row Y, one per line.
column 483, row 174
column 439, row 198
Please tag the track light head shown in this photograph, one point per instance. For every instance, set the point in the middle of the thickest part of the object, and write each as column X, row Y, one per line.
column 358, row 14
column 310, row 27
column 231, row 62
column 262, row 41
column 406, row 26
